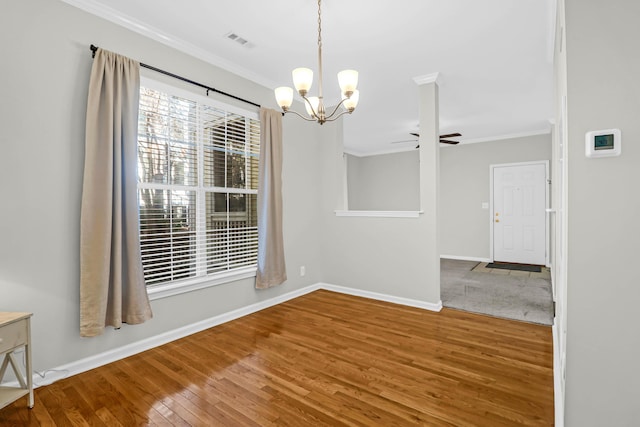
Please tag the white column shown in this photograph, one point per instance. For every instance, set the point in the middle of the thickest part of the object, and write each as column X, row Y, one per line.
column 430, row 177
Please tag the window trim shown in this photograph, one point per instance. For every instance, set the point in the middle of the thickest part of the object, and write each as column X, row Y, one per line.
column 180, row 286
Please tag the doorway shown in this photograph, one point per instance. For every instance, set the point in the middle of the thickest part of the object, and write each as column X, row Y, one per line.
column 519, row 199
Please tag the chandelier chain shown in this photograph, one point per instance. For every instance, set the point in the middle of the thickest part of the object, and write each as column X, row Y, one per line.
column 319, row 25
column 320, row 114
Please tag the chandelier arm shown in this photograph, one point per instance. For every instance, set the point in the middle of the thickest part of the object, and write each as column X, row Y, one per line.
column 316, row 115
column 330, row 119
column 299, row 115
column 336, row 109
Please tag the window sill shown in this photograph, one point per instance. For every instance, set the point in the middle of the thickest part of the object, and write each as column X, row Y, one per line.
column 381, row 214
column 188, row 285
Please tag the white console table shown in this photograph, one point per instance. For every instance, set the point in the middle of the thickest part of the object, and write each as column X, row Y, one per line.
column 15, row 332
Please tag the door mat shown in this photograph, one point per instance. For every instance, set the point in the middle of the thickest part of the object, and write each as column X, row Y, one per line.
column 519, row 267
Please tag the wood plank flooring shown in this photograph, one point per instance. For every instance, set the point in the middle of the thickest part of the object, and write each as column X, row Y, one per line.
column 321, row 359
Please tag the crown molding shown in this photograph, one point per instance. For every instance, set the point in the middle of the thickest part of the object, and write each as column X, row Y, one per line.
column 510, row 136
column 358, row 153
column 100, row 10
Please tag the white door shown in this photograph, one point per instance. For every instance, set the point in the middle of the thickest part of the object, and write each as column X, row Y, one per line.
column 519, row 217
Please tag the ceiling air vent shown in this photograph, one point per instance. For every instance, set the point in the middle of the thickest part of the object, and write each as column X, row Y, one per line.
column 240, row 40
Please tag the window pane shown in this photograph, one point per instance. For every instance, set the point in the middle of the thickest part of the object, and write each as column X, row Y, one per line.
column 235, row 170
column 243, row 229
column 152, row 128
column 226, row 149
column 214, row 140
column 167, row 139
column 236, row 152
column 232, row 236
column 184, row 164
column 252, row 171
column 253, row 148
column 214, row 167
column 167, row 234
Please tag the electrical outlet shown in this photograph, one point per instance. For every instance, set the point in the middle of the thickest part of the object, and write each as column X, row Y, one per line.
column 303, row 271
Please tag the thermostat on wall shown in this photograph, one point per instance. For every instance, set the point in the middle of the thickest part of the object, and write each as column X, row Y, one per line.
column 603, row 143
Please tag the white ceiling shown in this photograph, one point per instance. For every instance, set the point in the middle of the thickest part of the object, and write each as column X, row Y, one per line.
column 494, row 57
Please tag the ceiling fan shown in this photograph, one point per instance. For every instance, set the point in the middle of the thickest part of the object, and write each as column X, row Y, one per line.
column 442, row 138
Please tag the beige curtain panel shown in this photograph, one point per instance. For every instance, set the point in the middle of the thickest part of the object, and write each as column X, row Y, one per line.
column 271, row 266
column 112, row 288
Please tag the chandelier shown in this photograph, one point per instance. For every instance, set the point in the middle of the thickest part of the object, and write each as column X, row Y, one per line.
column 302, row 80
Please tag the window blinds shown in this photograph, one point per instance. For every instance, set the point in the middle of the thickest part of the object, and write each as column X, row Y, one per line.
column 198, row 184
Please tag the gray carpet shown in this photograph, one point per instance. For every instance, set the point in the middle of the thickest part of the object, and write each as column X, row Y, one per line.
column 520, row 297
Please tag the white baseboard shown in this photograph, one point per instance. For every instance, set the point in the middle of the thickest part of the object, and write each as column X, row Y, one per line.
column 110, row 356
column 558, row 394
column 383, row 297
column 91, row 362
column 465, row 258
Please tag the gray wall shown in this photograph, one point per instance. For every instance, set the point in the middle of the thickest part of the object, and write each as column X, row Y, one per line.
column 603, row 334
column 384, row 182
column 44, row 77
column 465, row 185
column 393, row 256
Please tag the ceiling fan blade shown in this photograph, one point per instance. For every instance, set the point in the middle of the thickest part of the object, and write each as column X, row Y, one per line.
column 446, row 141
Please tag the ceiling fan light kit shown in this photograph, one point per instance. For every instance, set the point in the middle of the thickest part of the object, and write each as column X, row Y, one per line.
column 303, row 80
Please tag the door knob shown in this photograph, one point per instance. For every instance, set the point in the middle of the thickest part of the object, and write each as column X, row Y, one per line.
column 497, row 220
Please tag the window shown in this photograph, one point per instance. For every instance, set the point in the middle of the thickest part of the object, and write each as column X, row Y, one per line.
column 197, row 187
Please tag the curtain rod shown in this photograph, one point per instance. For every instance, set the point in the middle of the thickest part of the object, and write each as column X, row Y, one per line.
column 184, row 79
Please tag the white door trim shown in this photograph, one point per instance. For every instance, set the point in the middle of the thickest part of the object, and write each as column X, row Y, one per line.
column 546, row 222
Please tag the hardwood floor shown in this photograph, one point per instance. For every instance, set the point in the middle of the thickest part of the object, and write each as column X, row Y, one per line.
column 321, row 359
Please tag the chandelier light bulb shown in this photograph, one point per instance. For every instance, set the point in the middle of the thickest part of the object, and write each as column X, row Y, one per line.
column 284, row 97
column 351, row 102
column 302, row 80
column 348, row 80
